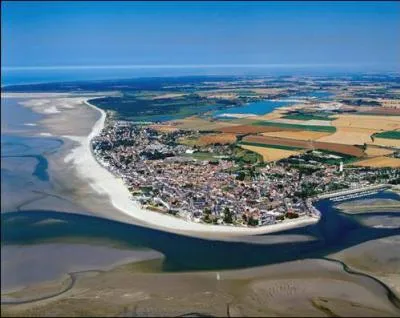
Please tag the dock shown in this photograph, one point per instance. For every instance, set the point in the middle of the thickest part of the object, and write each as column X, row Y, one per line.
column 353, row 193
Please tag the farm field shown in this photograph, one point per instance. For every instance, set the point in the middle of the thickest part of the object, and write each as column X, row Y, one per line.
column 201, row 155
column 288, row 126
column 229, row 94
column 311, row 122
column 299, row 135
column 350, row 136
column 247, row 129
column 379, row 162
column 168, row 95
column 386, row 142
column 200, row 124
column 376, row 151
column 368, row 122
column 335, row 147
column 223, row 138
column 381, row 111
column 270, row 154
column 269, row 146
column 307, row 117
column 164, row 128
column 393, row 134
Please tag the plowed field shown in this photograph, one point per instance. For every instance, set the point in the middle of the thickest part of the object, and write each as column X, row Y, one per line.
column 335, row 147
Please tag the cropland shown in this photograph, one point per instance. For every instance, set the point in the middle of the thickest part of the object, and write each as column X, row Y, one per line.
column 356, row 116
column 302, row 144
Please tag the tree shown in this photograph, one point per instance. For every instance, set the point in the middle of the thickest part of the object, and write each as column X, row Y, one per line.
column 241, row 175
column 228, row 216
column 364, row 147
column 252, row 174
column 252, row 221
column 207, row 215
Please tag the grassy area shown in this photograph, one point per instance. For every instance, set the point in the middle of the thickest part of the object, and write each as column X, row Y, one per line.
column 311, row 155
column 269, row 146
column 188, row 141
column 244, row 156
column 393, row 134
column 140, row 106
column 303, row 116
column 346, row 159
column 201, row 155
column 330, row 129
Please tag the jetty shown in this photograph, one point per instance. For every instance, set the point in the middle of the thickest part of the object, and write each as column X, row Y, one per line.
column 353, row 193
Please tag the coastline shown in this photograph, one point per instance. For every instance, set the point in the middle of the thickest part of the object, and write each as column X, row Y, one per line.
column 278, row 273
column 104, row 182
column 112, row 187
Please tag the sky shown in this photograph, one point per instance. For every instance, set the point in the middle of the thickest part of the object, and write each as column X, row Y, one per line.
column 168, row 34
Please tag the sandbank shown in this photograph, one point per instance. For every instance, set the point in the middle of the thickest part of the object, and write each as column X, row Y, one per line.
column 304, row 288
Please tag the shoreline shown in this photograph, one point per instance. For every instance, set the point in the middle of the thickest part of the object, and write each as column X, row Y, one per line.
column 104, row 182
column 107, row 183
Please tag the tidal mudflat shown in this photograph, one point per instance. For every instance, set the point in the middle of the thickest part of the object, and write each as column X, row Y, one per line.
column 309, row 287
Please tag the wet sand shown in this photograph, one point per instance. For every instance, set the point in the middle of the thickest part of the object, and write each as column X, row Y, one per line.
column 370, row 206
column 305, row 288
column 24, row 266
column 378, row 258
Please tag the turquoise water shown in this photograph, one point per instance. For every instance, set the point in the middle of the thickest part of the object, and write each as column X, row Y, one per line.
column 267, row 106
column 257, row 108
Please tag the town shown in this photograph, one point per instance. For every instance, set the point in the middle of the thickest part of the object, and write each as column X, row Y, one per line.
column 212, row 184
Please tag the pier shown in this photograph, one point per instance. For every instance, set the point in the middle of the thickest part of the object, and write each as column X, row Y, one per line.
column 353, row 193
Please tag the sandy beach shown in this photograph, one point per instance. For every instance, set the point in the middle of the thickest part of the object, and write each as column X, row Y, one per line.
column 62, row 114
column 104, row 182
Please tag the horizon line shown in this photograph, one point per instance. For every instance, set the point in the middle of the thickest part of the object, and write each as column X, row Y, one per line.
column 164, row 66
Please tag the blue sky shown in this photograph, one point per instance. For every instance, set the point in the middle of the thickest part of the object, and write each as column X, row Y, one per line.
column 86, row 34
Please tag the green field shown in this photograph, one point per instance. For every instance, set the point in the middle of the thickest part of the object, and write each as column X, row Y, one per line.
column 201, row 155
column 244, row 156
column 393, row 134
column 330, row 129
column 307, row 117
column 310, row 155
column 269, row 146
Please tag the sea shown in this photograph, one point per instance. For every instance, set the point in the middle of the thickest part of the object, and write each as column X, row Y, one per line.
column 67, row 74
column 31, row 237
